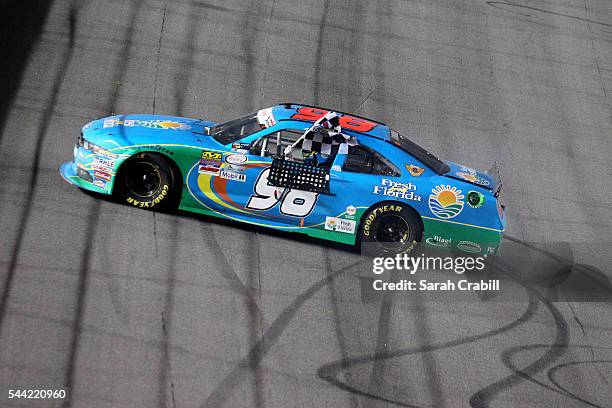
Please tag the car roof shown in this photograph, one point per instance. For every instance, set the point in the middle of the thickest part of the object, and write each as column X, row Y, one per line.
column 353, row 123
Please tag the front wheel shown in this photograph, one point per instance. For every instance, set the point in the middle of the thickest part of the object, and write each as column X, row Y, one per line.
column 146, row 181
column 389, row 229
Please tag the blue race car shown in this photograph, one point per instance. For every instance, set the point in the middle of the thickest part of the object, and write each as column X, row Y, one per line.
column 297, row 168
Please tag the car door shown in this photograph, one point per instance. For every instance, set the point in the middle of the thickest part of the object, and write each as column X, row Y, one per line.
column 355, row 180
column 259, row 198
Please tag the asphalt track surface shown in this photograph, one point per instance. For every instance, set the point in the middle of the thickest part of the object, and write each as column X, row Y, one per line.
column 128, row 308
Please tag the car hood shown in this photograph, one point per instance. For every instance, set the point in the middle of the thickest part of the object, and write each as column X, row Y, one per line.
column 135, row 129
column 469, row 175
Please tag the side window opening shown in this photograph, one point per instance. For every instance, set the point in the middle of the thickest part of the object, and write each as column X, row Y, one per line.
column 274, row 144
column 362, row 160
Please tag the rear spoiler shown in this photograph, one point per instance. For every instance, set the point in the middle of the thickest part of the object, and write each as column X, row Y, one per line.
column 493, row 172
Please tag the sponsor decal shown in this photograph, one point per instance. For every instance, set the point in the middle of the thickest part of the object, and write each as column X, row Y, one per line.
column 210, row 162
column 469, row 246
column 236, row 159
column 439, row 241
column 336, row 167
column 396, row 189
column 204, row 168
column 207, row 154
column 367, row 228
column 156, row 148
column 340, row 225
column 99, row 183
column 95, row 166
column 230, row 175
column 104, row 161
column 446, row 201
column 103, row 152
column 472, row 176
column 351, row 210
column 266, row 118
column 151, row 124
column 102, row 175
column 475, row 199
column 491, row 250
column 414, row 171
column 235, row 169
column 241, row 147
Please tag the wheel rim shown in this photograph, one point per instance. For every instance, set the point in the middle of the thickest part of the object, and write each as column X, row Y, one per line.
column 143, row 179
column 392, row 232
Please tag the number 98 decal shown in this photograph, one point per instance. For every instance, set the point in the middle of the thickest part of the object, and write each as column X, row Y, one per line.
column 295, row 203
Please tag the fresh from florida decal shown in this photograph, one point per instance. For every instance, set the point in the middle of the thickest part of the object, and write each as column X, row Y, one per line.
column 446, row 201
column 396, row 189
column 340, row 225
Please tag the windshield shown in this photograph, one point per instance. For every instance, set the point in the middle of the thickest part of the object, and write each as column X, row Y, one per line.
column 236, row 129
column 419, row 153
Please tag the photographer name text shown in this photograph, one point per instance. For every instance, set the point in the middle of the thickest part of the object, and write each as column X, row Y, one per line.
column 425, row 285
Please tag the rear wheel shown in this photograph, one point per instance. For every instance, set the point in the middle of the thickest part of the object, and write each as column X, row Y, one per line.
column 389, row 229
column 146, row 181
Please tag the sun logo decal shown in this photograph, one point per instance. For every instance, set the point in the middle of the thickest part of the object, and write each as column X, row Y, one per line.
column 446, row 201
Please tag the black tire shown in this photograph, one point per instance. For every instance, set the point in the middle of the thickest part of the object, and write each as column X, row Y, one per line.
column 147, row 181
column 389, row 228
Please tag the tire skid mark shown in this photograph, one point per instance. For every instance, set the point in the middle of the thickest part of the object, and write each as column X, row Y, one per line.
column 596, row 59
column 183, row 76
column 501, row 4
column 338, row 321
column 577, row 320
column 269, row 22
column 94, row 215
column 318, row 54
column 148, row 342
column 254, row 313
column 228, row 272
column 226, row 387
column 328, row 372
column 256, row 322
column 32, row 182
column 424, row 335
column 382, row 339
column 158, row 55
column 483, row 397
column 507, row 360
column 351, row 85
column 166, row 378
column 180, row 85
column 248, row 36
column 552, row 372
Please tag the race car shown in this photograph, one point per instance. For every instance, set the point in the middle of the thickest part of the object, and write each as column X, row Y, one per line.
column 297, row 168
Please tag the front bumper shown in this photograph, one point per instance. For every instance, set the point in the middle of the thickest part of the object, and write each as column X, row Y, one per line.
column 68, row 171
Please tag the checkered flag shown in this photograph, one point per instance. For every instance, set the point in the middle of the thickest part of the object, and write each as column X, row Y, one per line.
column 325, row 133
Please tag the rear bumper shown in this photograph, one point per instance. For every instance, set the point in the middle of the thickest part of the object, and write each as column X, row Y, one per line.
column 463, row 237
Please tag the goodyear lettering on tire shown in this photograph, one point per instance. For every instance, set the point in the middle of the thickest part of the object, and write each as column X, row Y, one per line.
column 375, row 213
column 152, row 203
